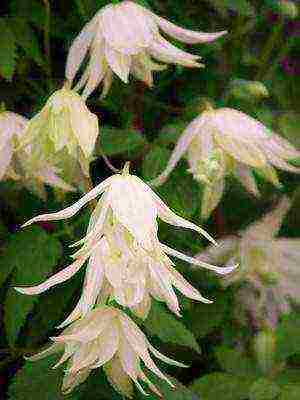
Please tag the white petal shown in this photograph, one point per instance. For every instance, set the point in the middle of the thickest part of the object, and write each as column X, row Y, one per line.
column 72, row 210
column 54, row 348
column 185, row 287
column 48, row 176
column 186, row 35
column 244, row 174
column 79, row 48
column 164, row 358
column 5, row 159
column 60, row 277
column 108, row 344
column 133, row 205
column 168, row 216
column 194, row 261
column 212, row 195
column 181, row 147
column 118, row 62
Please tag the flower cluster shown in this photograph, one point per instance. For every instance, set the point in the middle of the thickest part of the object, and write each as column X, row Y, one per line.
column 227, row 141
column 267, row 263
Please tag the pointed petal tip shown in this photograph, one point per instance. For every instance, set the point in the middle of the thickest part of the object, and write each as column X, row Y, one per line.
column 22, row 290
column 227, row 270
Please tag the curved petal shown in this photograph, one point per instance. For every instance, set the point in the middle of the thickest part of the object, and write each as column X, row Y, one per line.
column 72, row 210
column 79, row 48
column 181, row 147
column 5, row 159
column 195, row 261
column 186, row 35
column 60, row 277
column 245, row 176
column 168, row 216
column 118, row 62
column 164, row 358
column 48, row 176
column 212, row 196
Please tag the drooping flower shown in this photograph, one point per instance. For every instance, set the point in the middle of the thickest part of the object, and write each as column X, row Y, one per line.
column 125, row 258
column 226, row 141
column 16, row 164
column 63, row 128
column 124, row 38
column 270, row 265
column 107, row 337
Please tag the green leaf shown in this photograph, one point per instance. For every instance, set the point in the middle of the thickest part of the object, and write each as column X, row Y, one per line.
column 155, row 162
column 38, row 380
column 204, row 318
column 170, row 133
column 263, row 389
column 221, row 386
column 290, row 392
column 179, row 392
column 170, row 330
column 229, row 359
column 117, row 141
column 287, row 376
column 31, row 255
column 242, row 7
column 26, row 39
column 181, row 192
column 7, row 51
column 30, row 10
column 288, row 338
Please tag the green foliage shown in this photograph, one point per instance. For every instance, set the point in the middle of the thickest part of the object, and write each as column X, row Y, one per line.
column 29, row 257
column 263, row 389
column 230, row 358
column 287, row 338
column 220, row 385
column 38, row 380
column 7, row 50
column 169, row 329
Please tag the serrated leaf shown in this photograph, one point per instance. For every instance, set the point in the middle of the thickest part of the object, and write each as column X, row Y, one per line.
column 26, row 39
column 287, row 337
column 221, row 386
column 31, row 255
column 155, row 162
column 7, row 50
column 204, row 318
column 263, row 389
column 229, row 359
column 290, row 392
column 118, row 141
column 163, row 324
column 38, row 380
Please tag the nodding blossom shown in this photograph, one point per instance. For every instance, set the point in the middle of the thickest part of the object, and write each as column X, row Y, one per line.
column 125, row 38
column 64, row 128
column 227, row 141
column 125, row 259
column 16, row 163
column 107, row 337
column 270, row 265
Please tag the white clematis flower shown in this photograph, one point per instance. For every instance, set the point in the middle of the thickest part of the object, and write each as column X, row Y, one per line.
column 269, row 264
column 225, row 141
column 107, row 337
column 16, row 164
column 125, row 258
column 124, row 38
column 64, row 127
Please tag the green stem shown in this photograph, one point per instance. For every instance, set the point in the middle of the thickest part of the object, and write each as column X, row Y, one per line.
column 268, row 49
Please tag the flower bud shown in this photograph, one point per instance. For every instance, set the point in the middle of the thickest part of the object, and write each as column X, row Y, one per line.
column 248, row 90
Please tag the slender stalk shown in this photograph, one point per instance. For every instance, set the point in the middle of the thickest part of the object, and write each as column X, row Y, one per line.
column 268, row 49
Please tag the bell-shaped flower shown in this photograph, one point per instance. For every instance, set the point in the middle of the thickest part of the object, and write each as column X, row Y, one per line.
column 125, row 258
column 270, row 265
column 63, row 128
column 226, row 141
column 107, row 337
column 17, row 163
column 125, row 38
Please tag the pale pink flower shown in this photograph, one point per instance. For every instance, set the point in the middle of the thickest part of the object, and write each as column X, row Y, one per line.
column 270, row 265
column 227, row 141
column 125, row 258
column 107, row 337
column 124, row 38
column 15, row 163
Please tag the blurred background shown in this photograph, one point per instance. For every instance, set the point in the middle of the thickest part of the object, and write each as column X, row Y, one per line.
column 254, row 68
